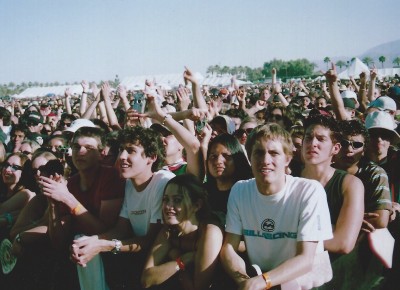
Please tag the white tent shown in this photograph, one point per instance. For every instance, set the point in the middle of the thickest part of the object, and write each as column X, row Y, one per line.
column 354, row 70
column 167, row 81
column 388, row 72
column 46, row 91
column 222, row 81
column 170, row 81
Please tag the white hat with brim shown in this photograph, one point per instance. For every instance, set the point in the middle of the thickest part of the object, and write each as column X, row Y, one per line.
column 382, row 120
column 79, row 123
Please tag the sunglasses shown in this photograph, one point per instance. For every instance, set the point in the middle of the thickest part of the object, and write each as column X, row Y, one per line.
column 65, row 124
column 355, row 144
column 50, row 168
column 26, row 152
column 383, row 134
column 30, row 123
column 275, row 117
column 13, row 167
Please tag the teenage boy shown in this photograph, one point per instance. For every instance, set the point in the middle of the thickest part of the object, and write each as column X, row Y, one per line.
column 351, row 159
column 283, row 245
column 141, row 156
column 93, row 196
column 345, row 192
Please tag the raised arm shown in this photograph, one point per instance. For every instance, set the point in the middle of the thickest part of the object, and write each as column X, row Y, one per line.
column 188, row 140
column 362, row 93
column 112, row 118
column 337, row 101
column 67, row 101
column 198, row 100
column 371, row 86
column 85, row 91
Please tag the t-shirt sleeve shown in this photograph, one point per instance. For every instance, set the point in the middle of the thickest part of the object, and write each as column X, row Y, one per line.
column 380, row 197
column 233, row 221
column 314, row 223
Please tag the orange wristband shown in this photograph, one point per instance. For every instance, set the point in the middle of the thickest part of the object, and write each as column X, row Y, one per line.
column 267, row 280
column 76, row 209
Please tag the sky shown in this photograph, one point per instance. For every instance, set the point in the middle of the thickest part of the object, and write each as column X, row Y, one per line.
column 67, row 41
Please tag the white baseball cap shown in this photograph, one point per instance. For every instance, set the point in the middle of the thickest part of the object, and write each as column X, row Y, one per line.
column 79, row 123
column 383, row 103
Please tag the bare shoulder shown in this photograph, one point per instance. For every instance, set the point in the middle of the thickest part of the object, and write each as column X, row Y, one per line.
column 352, row 184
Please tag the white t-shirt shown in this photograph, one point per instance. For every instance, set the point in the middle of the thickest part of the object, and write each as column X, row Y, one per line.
column 272, row 225
column 143, row 208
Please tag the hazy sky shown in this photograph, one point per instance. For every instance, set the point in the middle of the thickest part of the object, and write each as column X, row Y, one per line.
column 58, row 40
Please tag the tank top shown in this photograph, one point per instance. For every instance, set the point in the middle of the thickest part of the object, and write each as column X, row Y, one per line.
column 334, row 194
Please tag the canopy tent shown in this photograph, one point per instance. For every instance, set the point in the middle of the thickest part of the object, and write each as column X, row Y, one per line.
column 388, row 72
column 35, row 92
column 354, row 70
column 170, row 81
column 222, row 81
column 167, row 81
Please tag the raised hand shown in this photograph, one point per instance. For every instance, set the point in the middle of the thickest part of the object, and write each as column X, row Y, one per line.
column 85, row 86
column 105, row 91
column 67, row 93
column 189, row 76
column 183, row 99
column 331, row 75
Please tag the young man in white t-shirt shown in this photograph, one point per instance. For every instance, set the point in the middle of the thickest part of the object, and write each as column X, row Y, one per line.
column 282, row 218
column 141, row 155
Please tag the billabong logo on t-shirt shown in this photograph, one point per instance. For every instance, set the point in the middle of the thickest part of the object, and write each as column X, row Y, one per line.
column 268, row 225
column 138, row 212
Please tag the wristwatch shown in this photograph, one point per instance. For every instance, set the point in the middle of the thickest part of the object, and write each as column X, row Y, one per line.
column 18, row 239
column 117, row 246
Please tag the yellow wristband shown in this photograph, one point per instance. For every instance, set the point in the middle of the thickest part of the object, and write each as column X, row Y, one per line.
column 76, row 209
column 267, row 281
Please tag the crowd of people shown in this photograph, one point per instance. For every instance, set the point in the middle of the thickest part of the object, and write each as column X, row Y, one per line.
column 267, row 186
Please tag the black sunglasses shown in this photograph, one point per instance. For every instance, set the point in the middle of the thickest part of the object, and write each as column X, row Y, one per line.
column 355, row 144
column 31, row 123
column 13, row 167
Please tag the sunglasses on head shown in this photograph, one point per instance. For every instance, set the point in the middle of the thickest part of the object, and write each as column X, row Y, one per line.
column 13, row 167
column 355, row 144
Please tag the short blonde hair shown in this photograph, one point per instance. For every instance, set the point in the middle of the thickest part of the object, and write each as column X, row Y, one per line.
column 270, row 131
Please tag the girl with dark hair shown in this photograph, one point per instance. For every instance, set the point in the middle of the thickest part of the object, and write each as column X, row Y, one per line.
column 13, row 195
column 185, row 252
column 226, row 164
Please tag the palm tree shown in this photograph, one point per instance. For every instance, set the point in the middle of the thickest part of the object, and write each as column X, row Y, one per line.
column 327, row 60
column 367, row 60
column 340, row 64
column 382, row 60
column 211, row 69
column 396, row 61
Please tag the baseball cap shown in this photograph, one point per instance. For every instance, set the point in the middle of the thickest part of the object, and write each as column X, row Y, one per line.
column 348, row 103
column 161, row 129
column 350, row 95
column 35, row 117
column 79, row 123
column 383, row 103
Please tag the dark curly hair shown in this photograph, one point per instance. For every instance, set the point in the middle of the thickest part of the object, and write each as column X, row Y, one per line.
column 149, row 139
column 353, row 128
column 327, row 122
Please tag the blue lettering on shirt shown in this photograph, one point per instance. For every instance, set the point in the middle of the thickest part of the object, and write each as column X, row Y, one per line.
column 270, row 236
